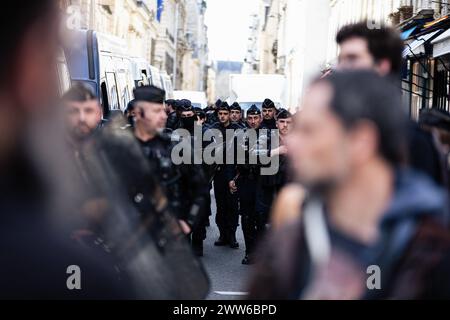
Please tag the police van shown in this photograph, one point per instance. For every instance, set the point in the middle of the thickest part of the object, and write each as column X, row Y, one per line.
column 101, row 61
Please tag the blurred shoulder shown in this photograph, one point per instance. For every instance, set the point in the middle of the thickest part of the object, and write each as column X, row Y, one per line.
column 288, row 205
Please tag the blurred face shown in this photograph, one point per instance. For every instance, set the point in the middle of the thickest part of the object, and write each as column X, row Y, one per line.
column 169, row 109
column 150, row 117
column 37, row 84
column 82, row 118
column 318, row 144
column 187, row 114
column 268, row 114
column 354, row 54
column 224, row 117
column 284, row 126
column 235, row 115
column 254, row 121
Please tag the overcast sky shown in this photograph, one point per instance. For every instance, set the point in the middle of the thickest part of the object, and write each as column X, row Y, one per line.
column 228, row 24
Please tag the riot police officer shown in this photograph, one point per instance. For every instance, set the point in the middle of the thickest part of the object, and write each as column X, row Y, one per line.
column 268, row 113
column 227, row 215
column 284, row 126
column 236, row 115
column 183, row 184
column 247, row 182
column 189, row 121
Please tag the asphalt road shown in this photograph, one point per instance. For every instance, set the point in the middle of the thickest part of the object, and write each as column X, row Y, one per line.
column 227, row 274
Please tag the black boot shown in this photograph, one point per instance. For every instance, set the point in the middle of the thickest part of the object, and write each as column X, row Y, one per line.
column 247, row 260
column 233, row 242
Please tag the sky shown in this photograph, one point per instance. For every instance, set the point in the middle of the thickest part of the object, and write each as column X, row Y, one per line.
column 228, row 24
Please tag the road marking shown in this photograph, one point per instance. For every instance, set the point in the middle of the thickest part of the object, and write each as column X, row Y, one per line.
column 231, row 293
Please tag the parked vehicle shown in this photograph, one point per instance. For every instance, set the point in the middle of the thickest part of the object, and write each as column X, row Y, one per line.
column 141, row 72
column 167, row 85
column 62, row 71
column 197, row 98
column 155, row 77
column 101, row 61
column 249, row 89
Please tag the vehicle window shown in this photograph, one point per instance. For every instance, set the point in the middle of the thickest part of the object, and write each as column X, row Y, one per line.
column 125, row 97
column 113, row 94
column 64, row 77
column 105, row 100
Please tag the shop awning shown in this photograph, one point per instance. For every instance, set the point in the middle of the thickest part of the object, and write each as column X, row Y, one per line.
column 407, row 33
column 441, row 45
column 417, row 47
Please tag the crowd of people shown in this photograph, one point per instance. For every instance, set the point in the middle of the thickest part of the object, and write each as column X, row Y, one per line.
column 357, row 185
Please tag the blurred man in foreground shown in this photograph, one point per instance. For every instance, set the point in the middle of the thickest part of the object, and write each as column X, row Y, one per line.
column 366, row 214
column 36, row 255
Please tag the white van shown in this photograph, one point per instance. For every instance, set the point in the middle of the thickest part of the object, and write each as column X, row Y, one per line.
column 197, row 98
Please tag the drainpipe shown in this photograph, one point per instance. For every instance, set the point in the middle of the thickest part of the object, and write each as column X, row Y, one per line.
column 176, row 46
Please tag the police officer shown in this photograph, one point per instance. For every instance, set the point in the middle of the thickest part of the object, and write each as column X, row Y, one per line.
column 227, row 215
column 183, row 184
column 236, row 115
column 247, row 182
column 201, row 115
column 284, row 126
column 211, row 113
column 269, row 185
column 172, row 116
column 268, row 113
column 189, row 121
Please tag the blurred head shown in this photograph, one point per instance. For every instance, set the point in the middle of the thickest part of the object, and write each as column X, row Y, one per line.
column 83, row 112
column 151, row 116
column 170, row 106
column 201, row 115
column 348, row 120
column 235, row 112
column 28, row 55
column 130, row 111
column 284, row 121
column 268, row 109
column 378, row 49
column 254, row 118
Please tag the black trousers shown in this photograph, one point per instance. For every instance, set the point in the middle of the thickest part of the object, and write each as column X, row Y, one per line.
column 265, row 196
column 199, row 231
column 252, row 224
column 227, row 218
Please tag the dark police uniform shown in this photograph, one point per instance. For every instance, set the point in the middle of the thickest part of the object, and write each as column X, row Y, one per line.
column 247, row 184
column 265, row 191
column 227, row 218
column 197, row 178
column 184, row 184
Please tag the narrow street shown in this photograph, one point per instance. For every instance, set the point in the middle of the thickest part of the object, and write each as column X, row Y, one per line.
column 227, row 275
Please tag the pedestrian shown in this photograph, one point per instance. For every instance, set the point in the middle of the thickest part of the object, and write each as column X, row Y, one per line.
column 380, row 50
column 35, row 248
column 364, row 209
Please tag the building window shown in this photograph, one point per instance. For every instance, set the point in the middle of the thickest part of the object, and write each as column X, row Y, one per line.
column 169, row 63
